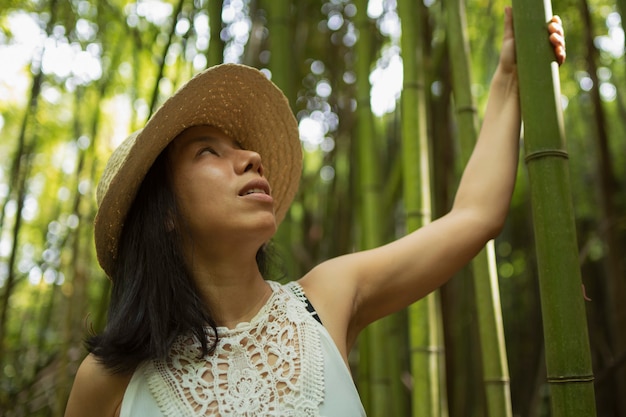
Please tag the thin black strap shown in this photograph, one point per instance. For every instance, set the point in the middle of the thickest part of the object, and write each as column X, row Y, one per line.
column 297, row 290
column 311, row 310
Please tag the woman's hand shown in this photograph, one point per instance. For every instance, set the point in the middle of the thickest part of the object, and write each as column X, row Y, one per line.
column 507, row 54
column 557, row 38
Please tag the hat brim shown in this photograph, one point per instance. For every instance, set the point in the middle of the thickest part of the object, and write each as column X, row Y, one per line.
column 239, row 100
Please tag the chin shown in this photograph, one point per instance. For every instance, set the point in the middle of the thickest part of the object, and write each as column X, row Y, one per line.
column 271, row 227
column 266, row 225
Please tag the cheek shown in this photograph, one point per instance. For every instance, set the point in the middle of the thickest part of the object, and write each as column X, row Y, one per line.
column 197, row 199
column 201, row 191
column 186, row 197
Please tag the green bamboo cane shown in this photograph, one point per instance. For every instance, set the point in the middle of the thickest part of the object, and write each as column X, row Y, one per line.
column 608, row 191
column 491, row 331
column 424, row 330
column 567, row 350
column 154, row 101
column 281, row 40
column 376, row 389
column 215, row 51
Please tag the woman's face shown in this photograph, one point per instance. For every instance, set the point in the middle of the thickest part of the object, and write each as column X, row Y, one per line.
column 220, row 189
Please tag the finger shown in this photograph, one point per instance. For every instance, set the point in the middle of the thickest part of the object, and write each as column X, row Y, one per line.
column 559, row 51
column 508, row 22
column 554, row 27
column 558, row 43
column 557, row 40
column 556, row 19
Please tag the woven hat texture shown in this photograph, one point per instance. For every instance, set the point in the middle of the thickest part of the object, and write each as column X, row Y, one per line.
column 237, row 99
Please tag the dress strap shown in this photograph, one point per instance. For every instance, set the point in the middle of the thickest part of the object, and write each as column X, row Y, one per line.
column 297, row 290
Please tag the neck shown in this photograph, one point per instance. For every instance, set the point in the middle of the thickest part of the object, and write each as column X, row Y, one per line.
column 232, row 286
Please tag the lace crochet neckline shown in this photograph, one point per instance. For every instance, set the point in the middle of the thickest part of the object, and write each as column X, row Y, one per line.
column 269, row 366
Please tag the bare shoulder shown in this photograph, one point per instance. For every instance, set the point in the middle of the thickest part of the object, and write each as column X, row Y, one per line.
column 332, row 294
column 96, row 390
column 334, row 284
column 328, row 285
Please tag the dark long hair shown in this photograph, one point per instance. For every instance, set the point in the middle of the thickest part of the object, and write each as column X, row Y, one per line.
column 153, row 299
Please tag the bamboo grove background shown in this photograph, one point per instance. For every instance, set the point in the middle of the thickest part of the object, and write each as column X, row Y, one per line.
column 77, row 76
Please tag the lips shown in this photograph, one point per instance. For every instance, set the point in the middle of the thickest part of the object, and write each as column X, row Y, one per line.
column 256, row 186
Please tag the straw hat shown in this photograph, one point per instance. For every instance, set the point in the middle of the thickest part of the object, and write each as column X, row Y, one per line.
column 237, row 99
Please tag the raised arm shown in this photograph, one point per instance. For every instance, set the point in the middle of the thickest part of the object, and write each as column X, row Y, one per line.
column 350, row 292
column 488, row 179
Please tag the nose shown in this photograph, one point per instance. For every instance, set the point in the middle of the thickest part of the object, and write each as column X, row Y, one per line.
column 251, row 161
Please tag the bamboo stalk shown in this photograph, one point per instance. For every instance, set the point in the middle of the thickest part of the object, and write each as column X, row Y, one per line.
column 608, row 192
column 161, row 69
column 485, row 278
column 215, row 52
column 566, row 342
column 280, row 41
column 376, row 388
column 279, row 24
column 424, row 330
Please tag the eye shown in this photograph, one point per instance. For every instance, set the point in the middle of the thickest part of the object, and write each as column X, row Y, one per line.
column 209, row 150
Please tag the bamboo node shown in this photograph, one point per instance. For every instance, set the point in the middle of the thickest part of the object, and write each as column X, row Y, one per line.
column 497, row 380
column 466, row 109
column 428, row 349
column 413, row 84
column 566, row 379
column 546, row 153
column 417, row 214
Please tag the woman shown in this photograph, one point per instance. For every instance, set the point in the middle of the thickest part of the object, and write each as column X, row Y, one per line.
column 186, row 207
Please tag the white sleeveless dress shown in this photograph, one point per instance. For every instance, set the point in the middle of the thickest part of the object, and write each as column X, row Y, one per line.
column 281, row 363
